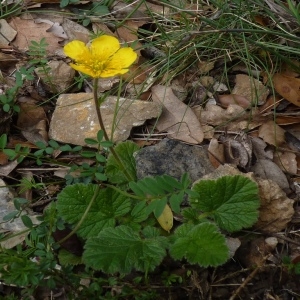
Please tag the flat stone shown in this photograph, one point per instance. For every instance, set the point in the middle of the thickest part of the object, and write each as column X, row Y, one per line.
column 173, row 158
column 75, row 117
column 60, row 74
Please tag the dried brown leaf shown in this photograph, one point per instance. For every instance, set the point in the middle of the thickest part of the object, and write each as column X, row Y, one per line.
column 166, row 218
column 216, row 153
column 28, row 31
column 271, row 133
column 276, row 208
column 287, row 87
column 286, row 161
column 176, row 118
column 267, row 169
column 242, row 101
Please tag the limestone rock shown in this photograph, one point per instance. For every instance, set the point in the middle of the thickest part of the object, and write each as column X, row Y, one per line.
column 75, row 117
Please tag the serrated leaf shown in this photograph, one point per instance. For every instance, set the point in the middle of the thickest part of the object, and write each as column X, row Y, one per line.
column 139, row 213
column 165, row 220
column 152, row 186
column 67, row 258
column 122, row 249
column 232, row 201
column 159, row 206
column 175, row 201
column 171, row 182
column 101, row 176
column 125, row 151
column 108, row 205
column 136, row 189
column 155, row 186
column 202, row 244
column 185, row 180
column 191, row 214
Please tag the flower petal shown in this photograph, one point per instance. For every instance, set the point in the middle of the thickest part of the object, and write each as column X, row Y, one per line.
column 77, row 50
column 119, row 62
column 84, row 69
column 103, row 47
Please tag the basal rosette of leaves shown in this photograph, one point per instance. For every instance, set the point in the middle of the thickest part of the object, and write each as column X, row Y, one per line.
column 121, row 231
column 103, row 58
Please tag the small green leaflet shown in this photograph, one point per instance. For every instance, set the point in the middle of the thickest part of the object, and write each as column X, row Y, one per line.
column 125, row 151
column 232, row 201
column 108, row 205
column 122, row 249
column 202, row 244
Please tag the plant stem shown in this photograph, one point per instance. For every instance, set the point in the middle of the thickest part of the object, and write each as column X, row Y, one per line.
column 83, row 216
column 111, row 149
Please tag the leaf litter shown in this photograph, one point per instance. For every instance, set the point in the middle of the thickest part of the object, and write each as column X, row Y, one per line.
column 238, row 119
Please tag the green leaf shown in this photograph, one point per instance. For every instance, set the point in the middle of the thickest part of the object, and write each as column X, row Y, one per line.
column 10, row 216
column 107, row 207
column 88, row 154
column 3, row 141
column 18, row 202
column 125, row 151
column 26, row 221
column 101, row 176
column 106, row 144
column 53, row 144
column 100, row 157
column 49, row 150
column 41, row 145
column 6, row 107
column 160, row 206
column 65, row 148
column 139, row 213
column 202, row 244
column 64, row 3
column 90, row 141
column 191, row 215
column 122, row 249
column 76, row 149
column 175, row 201
column 10, row 153
column 100, row 135
column 232, row 201
column 66, row 258
column 155, row 186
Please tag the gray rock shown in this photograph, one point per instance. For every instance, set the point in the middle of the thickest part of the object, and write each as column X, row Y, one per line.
column 173, row 158
column 75, row 118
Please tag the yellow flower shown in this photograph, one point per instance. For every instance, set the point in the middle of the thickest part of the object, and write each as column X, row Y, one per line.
column 103, row 58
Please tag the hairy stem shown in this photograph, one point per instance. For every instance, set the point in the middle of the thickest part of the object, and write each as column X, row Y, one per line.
column 111, row 149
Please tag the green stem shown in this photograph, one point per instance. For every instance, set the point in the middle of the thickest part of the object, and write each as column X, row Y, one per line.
column 111, row 149
column 83, row 216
